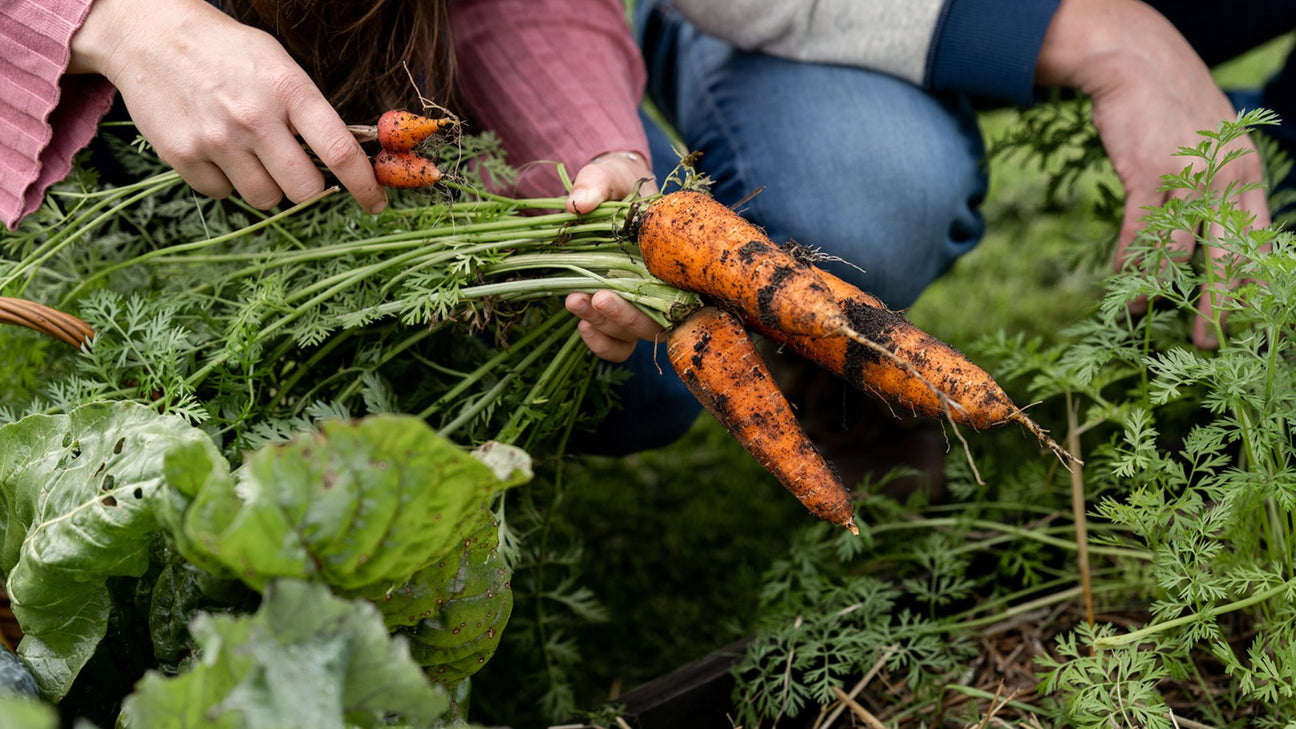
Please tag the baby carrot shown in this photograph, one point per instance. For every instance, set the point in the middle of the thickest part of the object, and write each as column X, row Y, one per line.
column 719, row 363
column 405, row 170
column 402, row 131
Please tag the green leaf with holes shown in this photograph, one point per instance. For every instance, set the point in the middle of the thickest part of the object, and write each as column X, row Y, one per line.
column 76, row 509
column 454, row 610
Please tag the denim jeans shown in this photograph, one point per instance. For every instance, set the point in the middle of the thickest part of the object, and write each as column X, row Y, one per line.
column 865, row 167
column 876, row 173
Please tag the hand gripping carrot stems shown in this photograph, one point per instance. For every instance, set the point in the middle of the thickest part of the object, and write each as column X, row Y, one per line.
column 719, row 363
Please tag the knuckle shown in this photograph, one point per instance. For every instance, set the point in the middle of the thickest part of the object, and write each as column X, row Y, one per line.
column 243, row 121
column 305, row 189
column 184, row 151
column 291, row 85
column 339, row 151
column 261, row 199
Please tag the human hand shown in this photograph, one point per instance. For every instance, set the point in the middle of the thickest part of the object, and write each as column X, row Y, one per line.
column 1151, row 94
column 221, row 102
column 610, row 326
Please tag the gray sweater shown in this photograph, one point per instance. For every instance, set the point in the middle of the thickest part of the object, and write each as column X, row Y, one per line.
column 981, row 47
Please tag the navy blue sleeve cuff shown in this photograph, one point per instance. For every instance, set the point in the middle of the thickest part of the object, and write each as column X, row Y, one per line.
column 988, row 48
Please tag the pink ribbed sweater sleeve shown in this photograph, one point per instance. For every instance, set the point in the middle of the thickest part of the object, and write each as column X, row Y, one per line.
column 555, row 79
column 45, row 115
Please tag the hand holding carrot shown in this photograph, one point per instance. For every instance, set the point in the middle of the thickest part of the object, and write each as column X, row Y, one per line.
column 610, row 326
column 1151, row 94
column 221, row 102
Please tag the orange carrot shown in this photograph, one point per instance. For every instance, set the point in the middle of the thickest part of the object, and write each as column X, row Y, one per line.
column 405, row 170
column 719, row 363
column 689, row 240
column 926, row 376
column 402, row 131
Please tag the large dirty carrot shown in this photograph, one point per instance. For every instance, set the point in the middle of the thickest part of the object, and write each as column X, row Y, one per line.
column 719, row 363
column 689, row 240
column 925, row 376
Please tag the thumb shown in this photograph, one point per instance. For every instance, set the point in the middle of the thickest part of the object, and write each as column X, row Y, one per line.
column 610, row 176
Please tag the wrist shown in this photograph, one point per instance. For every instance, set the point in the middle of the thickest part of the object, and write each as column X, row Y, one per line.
column 1089, row 42
column 95, row 42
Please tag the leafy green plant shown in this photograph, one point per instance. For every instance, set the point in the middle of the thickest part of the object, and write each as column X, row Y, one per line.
column 134, row 523
column 306, row 657
column 1194, row 450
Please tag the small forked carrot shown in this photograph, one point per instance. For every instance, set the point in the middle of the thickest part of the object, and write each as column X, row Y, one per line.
column 405, row 170
column 401, row 131
column 717, row 360
column 689, row 240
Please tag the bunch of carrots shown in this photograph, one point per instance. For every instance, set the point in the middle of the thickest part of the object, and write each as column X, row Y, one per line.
column 749, row 284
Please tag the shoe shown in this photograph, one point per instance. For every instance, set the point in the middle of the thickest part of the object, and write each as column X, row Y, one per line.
column 873, row 449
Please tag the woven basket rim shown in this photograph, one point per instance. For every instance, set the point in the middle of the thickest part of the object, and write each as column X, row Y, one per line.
column 44, row 319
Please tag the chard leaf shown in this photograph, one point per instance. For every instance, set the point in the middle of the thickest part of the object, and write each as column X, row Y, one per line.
column 454, row 611
column 77, row 493
column 306, row 658
column 358, row 505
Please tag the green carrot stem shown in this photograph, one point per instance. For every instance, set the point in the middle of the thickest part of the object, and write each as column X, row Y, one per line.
column 66, row 237
column 522, row 416
column 303, row 368
column 494, row 362
column 1115, row 641
column 1017, row 531
column 494, row 393
column 583, row 259
column 392, row 353
column 170, row 251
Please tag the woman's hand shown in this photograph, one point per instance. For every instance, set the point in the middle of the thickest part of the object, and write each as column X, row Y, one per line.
column 610, row 326
column 1151, row 94
column 221, row 102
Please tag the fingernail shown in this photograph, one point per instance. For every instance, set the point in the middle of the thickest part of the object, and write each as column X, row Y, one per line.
column 378, row 207
column 580, row 199
column 606, row 301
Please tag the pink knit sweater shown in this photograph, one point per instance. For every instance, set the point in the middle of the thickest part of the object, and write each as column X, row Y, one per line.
column 556, row 79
